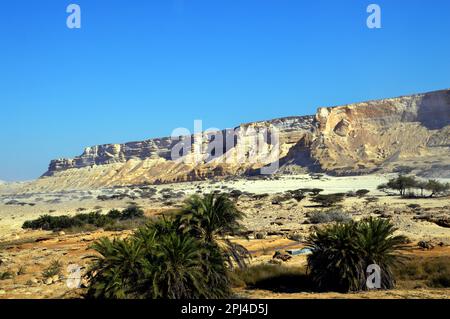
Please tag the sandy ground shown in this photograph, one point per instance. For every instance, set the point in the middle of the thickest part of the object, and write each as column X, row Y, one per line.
column 26, row 253
column 389, row 294
column 37, row 249
column 68, row 202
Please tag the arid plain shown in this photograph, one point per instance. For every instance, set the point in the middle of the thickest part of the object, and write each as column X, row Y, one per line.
column 274, row 222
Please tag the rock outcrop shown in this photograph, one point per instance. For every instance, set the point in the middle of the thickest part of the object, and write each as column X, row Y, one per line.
column 409, row 133
column 290, row 130
column 364, row 137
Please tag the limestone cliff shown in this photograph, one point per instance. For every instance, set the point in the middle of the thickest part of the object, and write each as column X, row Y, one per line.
column 366, row 136
column 406, row 133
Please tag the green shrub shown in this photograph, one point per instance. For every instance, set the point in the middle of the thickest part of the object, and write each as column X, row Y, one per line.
column 329, row 199
column 22, row 270
column 47, row 222
column 433, row 272
column 84, row 220
column 132, row 212
column 441, row 280
column 316, row 191
column 312, row 191
column 53, row 269
column 85, row 228
column 298, row 195
column 282, row 198
column 370, row 200
column 6, row 275
column 328, row 216
column 277, row 278
column 114, row 214
column 121, row 225
column 362, row 192
column 95, row 218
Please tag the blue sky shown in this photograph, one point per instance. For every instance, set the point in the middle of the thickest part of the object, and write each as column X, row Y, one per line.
column 138, row 69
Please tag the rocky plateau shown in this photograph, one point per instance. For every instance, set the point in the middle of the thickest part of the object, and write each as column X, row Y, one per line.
column 408, row 134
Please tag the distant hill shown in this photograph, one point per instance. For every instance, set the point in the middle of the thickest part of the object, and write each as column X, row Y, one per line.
column 408, row 134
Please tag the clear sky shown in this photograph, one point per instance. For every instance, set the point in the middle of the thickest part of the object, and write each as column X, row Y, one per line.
column 138, row 69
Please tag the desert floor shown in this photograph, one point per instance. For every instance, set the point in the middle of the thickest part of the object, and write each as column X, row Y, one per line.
column 25, row 253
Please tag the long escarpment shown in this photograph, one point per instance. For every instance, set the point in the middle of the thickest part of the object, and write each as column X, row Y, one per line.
column 404, row 134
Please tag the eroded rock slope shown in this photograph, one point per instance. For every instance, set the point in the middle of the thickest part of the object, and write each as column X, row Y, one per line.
column 404, row 134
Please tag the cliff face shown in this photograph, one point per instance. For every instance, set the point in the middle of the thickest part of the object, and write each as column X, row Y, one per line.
column 366, row 136
column 410, row 132
column 115, row 153
column 290, row 130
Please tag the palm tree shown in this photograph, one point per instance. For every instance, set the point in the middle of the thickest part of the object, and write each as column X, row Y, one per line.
column 212, row 215
column 335, row 263
column 115, row 270
column 211, row 218
column 376, row 239
column 161, row 260
column 342, row 252
column 177, row 269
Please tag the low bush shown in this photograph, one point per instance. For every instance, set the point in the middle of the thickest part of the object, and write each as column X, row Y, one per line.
column 85, row 220
column 260, row 196
column 22, row 270
column 298, row 195
column 114, row 214
column 312, row 191
column 316, row 191
column 277, row 278
column 260, row 235
column 6, row 275
column 370, row 200
column 85, row 228
column 47, row 222
column 235, row 193
column 440, row 280
column 125, row 224
column 328, row 200
column 433, row 272
column 329, row 216
column 132, row 212
column 362, row 192
column 53, row 269
column 295, row 236
column 282, row 198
